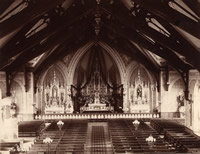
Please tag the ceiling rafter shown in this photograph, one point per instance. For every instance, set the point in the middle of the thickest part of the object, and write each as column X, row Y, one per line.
column 155, row 48
column 39, row 49
column 163, row 10
column 132, row 51
column 130, row 21
column 9, row 50
column 147, row 54
column 172, row 45
column 5, row 4
column 187, row 50
column 33, row 10
column 62, row 51
column 194, row 5
column 52, row 29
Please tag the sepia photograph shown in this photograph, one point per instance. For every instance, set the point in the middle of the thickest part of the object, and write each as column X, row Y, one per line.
column 99, row 76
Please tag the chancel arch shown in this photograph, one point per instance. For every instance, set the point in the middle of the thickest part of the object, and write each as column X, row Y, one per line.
column 75, row 59
column 113, row 53
column 97, row 82
column 118, row 60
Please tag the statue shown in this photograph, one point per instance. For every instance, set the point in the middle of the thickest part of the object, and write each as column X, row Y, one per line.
column 8, row 120
column 180, row 106
column 96, row 98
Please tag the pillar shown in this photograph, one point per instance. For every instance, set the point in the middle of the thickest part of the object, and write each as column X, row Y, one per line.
column 196, row 109
column 28, row 107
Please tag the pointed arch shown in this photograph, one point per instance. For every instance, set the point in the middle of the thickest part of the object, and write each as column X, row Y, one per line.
column 112, row 52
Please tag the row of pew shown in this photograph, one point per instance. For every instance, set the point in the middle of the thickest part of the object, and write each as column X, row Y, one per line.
column 74, row 137
column 70, row 139
column 171, row 137
column 126, row 139
column 144, row 131
column 183, row 139
column 122, row 138
column 8, row 146
column 30, row 128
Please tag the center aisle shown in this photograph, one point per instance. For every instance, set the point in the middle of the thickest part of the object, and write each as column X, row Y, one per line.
column 98, row 138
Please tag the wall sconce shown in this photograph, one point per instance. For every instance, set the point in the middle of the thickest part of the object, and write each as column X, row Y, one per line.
column 151, row 141
column 60, row 124
column 136, row 124
column 47, row 141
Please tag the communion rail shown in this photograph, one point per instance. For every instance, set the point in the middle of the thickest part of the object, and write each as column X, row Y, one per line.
column 99, row 116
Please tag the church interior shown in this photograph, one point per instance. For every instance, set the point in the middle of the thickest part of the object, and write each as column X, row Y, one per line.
column 99, row 76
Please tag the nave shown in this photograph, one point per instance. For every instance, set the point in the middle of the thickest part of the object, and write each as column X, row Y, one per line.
column 119, row 76
column 104, row 136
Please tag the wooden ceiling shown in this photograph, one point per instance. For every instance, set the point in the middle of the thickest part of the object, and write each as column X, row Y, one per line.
column 138, row 28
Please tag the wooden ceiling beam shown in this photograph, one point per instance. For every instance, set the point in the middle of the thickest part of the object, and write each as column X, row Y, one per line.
column 34, row 10
column 194, row 5
column 133, row 52
column 155, row 48
column 61, row 52
column 163, row 10
column 4, row 5
column 37, row 50
column 188, row 52
column 140, row 25
column 11, row 50
column 186, row 49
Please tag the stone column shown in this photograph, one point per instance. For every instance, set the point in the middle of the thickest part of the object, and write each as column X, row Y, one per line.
column 164, row 101
column 188, row 113
column 196, row 110
column 28, row 110
column 41, row 104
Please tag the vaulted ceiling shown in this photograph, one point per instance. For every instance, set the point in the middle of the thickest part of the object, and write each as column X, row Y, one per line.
column 37, row 33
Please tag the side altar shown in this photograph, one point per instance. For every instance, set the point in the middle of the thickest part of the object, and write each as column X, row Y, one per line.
column 55, row 98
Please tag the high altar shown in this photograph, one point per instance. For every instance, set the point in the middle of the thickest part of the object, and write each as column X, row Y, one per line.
column 96, row 95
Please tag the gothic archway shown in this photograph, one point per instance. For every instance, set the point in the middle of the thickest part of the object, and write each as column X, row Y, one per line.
column 81, row 51
column 142, row 96
column 97, row 78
